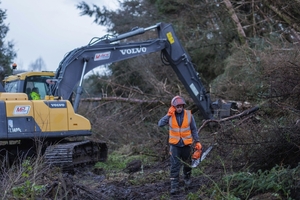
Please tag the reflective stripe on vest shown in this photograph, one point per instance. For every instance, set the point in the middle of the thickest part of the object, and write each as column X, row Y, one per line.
column 176, row 132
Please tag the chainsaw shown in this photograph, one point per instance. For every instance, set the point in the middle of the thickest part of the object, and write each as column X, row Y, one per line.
column 196, row 162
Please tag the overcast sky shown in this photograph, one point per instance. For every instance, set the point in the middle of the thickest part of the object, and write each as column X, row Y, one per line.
column 49, row 29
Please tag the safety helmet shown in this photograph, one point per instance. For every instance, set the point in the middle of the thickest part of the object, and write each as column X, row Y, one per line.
column 177, row 100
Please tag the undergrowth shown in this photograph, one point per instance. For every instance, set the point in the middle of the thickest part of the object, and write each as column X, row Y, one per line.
column 116, row 168
column 278, row 181
column 23, row 180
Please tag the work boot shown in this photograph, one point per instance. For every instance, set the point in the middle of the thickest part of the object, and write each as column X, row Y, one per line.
column 174, row 191
column 187, row 180
column 174, row 186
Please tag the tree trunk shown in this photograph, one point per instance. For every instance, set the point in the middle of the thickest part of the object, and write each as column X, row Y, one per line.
column 241, row 33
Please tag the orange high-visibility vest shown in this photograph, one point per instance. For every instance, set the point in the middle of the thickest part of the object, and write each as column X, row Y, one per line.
column 176, row 132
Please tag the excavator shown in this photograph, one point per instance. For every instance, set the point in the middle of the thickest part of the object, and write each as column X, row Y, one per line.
column 54, row 118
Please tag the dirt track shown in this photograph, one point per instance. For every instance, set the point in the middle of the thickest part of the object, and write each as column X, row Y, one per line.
column 84, row 183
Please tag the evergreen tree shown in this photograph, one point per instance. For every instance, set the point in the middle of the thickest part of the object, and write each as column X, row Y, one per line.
column 7, row 54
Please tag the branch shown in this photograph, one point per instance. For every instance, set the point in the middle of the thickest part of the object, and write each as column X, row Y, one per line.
column 121, row 99
column 287, row 19
column 242, row 114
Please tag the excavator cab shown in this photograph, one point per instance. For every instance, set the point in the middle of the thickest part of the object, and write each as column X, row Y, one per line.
column 25, row 82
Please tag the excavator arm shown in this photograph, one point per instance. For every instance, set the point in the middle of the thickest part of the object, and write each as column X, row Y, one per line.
column 109, row 50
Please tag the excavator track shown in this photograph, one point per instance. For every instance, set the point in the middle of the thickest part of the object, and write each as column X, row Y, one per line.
column 69, row 155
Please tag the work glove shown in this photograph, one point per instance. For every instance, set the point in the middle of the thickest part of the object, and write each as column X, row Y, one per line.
column 171, row 111
column 198, row 146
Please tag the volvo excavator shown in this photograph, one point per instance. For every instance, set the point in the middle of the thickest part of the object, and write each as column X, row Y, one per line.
column 54, row 118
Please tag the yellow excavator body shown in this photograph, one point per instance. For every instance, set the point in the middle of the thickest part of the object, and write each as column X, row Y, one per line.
column 44, row 118
column 51, row 120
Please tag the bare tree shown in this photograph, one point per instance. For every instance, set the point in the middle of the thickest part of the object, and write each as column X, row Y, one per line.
column 38, row 65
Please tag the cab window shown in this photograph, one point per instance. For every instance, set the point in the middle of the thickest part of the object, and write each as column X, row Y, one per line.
column 42, row 88
column 38, row 82
column 11, row 86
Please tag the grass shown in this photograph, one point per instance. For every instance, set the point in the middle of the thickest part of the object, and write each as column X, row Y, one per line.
column 23, row 180
column 115, row 169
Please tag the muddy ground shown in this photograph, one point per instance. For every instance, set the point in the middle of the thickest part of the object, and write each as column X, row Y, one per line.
column 90, row 184
column 133, row 183
column 86, row 185
column 152, row 183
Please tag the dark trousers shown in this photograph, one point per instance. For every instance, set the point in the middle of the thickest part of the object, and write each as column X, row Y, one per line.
column 179, row 156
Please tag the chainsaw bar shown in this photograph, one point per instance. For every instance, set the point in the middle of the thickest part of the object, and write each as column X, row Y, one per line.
column 195, row 163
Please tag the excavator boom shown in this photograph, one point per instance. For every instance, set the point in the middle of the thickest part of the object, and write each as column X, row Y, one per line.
column 80, row 61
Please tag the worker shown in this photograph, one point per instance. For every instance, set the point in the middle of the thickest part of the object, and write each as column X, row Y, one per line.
column 182, row 136
column 35, row 94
